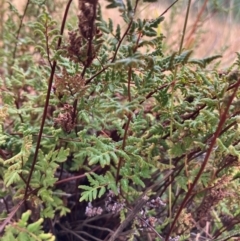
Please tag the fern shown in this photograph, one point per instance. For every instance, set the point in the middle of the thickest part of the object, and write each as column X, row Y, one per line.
column 16, row 163
column 98, row 186
column 21, row 230
column 111, row 109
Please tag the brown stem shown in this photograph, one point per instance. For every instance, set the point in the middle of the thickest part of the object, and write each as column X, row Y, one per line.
column 140, row 202
column 127, row 124
column 118, row 46
column 89, row 59
column 98, row 73
column 194, row 28
column 155, row 91
column 50, row 82
column 47, row 46
column 18, row 32
column 168, row 8
column 89, row 52
column 13, row 212
column 125, row 34
column 75, row 177
column 17, row 106
column 215, row 136
column 10, row 216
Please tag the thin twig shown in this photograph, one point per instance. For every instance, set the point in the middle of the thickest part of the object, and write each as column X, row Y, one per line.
column 89, row 235
column 89, row 52
column 184, row 27
column 47, row 46
column 99, row 228
column 125, row 33
column 50, row 82
column 10, row 216
column 17, row 106
column 172, row 97
column 69, row 179
column 168, row 8
column 155, row 91
column 118, row 46
column 72, row 232
column 149, row 226
column 13, row 212
column 94, row 76
column 127, row 124
column 193, row 30
column 6, row 204
column 18, row 31
column 141, row 201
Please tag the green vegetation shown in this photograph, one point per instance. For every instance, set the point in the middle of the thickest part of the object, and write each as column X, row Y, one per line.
column 109, row 134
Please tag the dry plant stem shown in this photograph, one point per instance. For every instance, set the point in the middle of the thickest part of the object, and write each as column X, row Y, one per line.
column 18, row 32
column 226, row 227
column 118, row 46
column 50, row 81
column 89, row 59
column 127, row 124
column 165, row 11
column 95, row 218
column 6, row 205
column 149, row 226
column 89, row 235
column 216, row 134
column 10, row 216
column 47, row 47
column 125, row 34
column 99, row 228
column 74, row 114
column 129, row 91
column 24, row 180
column 172, row 101
column 17, row 105
column 98, row 73
column 129, row 99
column 13, row 212
column 155, row 91
column 69, row 179
column 194, row 28
column 72, row 232
column 141, row 201
column 89, row 54
column 184, row 27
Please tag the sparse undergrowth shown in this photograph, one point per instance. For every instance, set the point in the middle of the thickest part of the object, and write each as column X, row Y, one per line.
column 106, row 136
